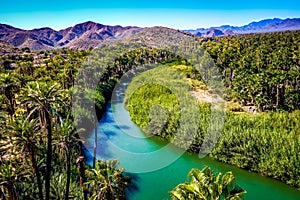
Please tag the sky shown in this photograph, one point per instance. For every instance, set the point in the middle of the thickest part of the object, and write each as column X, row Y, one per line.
column 184, row 14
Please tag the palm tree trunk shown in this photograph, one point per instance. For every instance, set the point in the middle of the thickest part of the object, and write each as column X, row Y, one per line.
column 48, row 151
column 11, row 102
column 68, row 171
column 12, row 109
column 95, row 145
column 37, row 173
column 12, row 192
column 82, row 178
column 277, row 96
column 231, row 76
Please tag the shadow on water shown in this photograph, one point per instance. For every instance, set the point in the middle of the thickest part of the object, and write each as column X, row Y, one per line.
column 108, row 135
column 124, row 127
column 88, row 156
column 133, row 186
column 102, row 140
column 104, row 150
column 107, row 118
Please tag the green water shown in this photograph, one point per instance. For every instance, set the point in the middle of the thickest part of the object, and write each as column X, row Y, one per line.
column 156, row 167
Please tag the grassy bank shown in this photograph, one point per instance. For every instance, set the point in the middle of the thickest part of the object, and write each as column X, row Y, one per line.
column 267, row 143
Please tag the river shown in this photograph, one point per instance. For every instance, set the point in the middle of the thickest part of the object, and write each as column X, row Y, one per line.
column 119, row 138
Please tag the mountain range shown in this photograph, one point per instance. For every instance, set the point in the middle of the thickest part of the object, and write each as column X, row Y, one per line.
column 84, row 35
column 263, row 26
column 90, row 34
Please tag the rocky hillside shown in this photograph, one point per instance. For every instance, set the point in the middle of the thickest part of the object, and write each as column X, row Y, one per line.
column 82, row 36
column 6, row 48
column 159, row 36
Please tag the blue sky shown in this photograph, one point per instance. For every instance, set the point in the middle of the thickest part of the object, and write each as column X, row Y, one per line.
column 184, row 14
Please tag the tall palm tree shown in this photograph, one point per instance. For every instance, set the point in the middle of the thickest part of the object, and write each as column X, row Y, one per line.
column 67, row 75
column 67, row 138
column 97, row 101
column 82, row 178
column 24, row 140
column 8, row 86
column 106, row 181
column 42, row 97
column 204, row 185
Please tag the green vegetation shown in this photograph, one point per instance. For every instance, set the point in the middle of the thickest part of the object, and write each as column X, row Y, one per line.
column 39, row 143
column 204, row 185
column 267, row 142
column 171, row 93
column 261, row 70
column 41, row 153
column 106, row 182
column 42, row 156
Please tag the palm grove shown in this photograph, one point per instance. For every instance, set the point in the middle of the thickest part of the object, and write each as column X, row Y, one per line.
column 40, row 146
column 42, row 156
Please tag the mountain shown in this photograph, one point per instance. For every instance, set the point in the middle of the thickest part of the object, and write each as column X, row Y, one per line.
column 214, row 32
column 90, row 34
column 160, row 36
column 84, row 35
column 266, row 25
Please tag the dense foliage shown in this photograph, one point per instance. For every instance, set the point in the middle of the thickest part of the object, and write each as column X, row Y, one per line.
column 39, row 143
column 260, row 69
column 42, row 156
column 106, row 182
column 159, row 108
column 204, row 185
column 267, row 143
column 41, row 153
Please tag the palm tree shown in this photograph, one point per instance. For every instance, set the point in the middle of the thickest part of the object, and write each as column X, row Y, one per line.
column 10, row 176
column 204, row 185
column 82, row 178
column 106, row 181
column 25, row 68
column 42, row 97
column 67, row 138
column 58, row 183
column 97, row 101
column 23, row 138
column 66, row 75
column 8, row 85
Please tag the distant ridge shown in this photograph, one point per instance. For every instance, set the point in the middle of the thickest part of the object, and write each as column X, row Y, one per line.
column 83, row 35
column 159, row 36
column 90, row 34
column 266, row 25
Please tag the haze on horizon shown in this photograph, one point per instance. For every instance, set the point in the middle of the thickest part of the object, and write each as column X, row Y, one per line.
column 188, row 14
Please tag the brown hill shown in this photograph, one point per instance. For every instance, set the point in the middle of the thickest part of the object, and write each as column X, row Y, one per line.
column 84, row 35
column 159, row 36
column 6, row 48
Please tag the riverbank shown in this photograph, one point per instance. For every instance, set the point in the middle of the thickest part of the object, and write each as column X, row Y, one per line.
column 118, row 132
column 267, row 143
